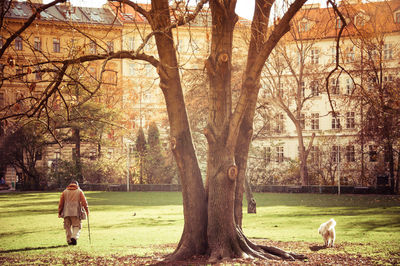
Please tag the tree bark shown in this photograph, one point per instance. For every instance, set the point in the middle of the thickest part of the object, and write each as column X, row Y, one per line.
column 193, row 240
column 221, row 169
column 211, row 214
column 398, row 174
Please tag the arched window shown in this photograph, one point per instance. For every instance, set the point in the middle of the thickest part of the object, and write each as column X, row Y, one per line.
column 397, row 16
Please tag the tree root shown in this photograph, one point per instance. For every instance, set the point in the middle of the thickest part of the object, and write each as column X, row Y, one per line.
column 241, row 248
column 265, row 252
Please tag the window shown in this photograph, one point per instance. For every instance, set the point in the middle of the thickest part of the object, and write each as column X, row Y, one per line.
column 350, row 56
column 397, row 17
column 73, row 45
column 56, row 45
column 1, row 42
column 315, row 121
column 131, row 43
column 333, row 54
column 92, row 47
column 303, row 26
column 373, row 155
column 279, row 154
column 92, row 155
column 279, row 123
column 387, row 51
column 314, row 155
column 110, row 46
column 57, row 154
column 339, row 23
column 37, row 44
column 38, row 155
column 314, row 88
column 303, row 87
column 336, row 121
column 18, row 43
column 334, row 86
column 349, row 86
column 350, row 154
column 267, row 155
column 335, row 154
column 388, row 78
column 302, row 121
column 38, row 74
column 350, row 120
column 2, row 100
column 314, row 56
column 131, row 148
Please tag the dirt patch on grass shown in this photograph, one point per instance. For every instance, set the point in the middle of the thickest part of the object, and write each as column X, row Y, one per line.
column 341, row 254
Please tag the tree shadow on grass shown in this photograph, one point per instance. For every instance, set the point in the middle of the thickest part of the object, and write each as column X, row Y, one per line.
column 31, row 248
column 317, row 248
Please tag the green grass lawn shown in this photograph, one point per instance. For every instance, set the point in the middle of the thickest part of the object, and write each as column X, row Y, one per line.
column 30, row 225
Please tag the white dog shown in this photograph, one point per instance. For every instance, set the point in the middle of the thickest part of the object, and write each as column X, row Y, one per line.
column 327, row 230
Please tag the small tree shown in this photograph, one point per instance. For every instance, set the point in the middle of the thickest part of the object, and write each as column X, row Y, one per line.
column 154, row 160
column 22, row 149
column 157, row 168
column 377, row 82
column 141, row 150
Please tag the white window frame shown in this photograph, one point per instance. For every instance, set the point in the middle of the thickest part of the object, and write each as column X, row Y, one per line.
column 314, row 56
column 387, row 51
column 279, row 154
column 336, row 121
column 350, row 120
column 314, row 121
column 56, row 45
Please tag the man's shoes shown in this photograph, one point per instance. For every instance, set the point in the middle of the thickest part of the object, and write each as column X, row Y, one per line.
column 73, row 241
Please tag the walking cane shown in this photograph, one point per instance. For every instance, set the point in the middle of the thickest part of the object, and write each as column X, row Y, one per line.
column 88, row 226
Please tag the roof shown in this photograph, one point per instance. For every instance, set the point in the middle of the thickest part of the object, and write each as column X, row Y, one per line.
column 64, row 12
column 127, row 14
column 324, row 23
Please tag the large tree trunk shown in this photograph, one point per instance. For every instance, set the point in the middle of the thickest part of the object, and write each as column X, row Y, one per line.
column 211, row 223
column 397, row 174
column 193, row 240
column 221, row 169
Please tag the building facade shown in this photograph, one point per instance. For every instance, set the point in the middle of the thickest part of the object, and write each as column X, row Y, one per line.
column 305, row 93
column 303, row 114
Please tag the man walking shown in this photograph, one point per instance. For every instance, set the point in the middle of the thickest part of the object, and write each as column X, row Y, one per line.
column 70, row 208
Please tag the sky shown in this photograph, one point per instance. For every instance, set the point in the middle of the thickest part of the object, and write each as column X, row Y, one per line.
column 244, row 8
